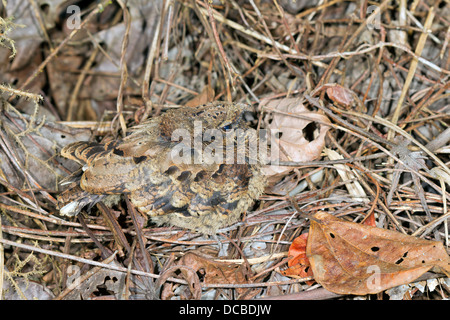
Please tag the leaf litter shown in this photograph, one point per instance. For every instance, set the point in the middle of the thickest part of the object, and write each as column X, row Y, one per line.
column 357, row 142
column 351, row 258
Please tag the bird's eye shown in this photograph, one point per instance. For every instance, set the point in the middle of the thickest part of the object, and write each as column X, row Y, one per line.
column 227, row 127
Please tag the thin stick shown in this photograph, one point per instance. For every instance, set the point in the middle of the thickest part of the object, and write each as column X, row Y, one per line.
column 83, row 260
column 230, row 70
column 326, row 76
column 249, row 32
column 329, row 162
column 404, row 134
column 151, row 57
column 123, row 67
column 360, row 50
column 412, row 71
column 41, row 23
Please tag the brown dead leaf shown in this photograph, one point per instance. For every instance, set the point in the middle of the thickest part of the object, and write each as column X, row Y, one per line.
column 214, row 272
column 189, row 274
column 352, row 258
column 299, row 266
column 26, row 35
column 103, row 279
column 341, row 96
column 23, row 289
column 207, row 95
column 297, row 133
column 63, row 83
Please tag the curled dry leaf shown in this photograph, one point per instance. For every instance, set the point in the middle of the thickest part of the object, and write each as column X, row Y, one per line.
column 23, row 289
column 299, row 266
column 340, row 96
column 297, row 134
column 207, row 95
column 190, row 275
column 97, row 281
column 214, row 272
column 352, row 258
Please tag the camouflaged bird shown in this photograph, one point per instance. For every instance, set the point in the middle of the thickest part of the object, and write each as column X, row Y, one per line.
column 190, row 167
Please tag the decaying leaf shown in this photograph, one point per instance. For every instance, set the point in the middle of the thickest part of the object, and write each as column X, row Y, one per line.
column 22, row 289
column 299, row 266
column 297, row 133
column 340, row 96
column 214, row 272
column 189, row 274
column 352, row 258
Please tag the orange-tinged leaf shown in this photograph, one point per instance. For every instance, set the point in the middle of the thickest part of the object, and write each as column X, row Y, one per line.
column 207, row 95
column 215, row 272
column 299, row 271
column 298, row 250
column 352, row 258
column 340, row 95
column 299, row 265
column 370, row 221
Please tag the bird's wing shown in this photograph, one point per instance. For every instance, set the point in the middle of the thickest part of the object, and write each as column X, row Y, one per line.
column 118, row 166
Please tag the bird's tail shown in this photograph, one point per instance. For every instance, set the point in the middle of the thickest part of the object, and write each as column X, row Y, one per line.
column 74, row 199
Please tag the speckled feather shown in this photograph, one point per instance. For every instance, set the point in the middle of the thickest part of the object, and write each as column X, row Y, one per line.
column 199, row 196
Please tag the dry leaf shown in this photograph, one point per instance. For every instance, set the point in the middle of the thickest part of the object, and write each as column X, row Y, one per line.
column 103, row 280
column 340, row 96
column 23, row 289
column 189, row 274
column 207, row 95
column 299, row 266
column 297, row 133
column 36, row 145
column 139, row 37
column 298, row 250
column 213, row 271
column 351, row 258
column 27, row 35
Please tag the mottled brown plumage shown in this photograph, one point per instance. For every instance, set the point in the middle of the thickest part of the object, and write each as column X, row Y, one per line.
column 176, row 181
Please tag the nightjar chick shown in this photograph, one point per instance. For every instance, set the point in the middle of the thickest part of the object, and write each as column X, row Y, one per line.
column 194, row 167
